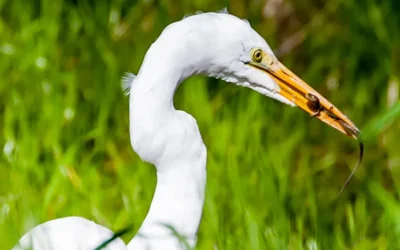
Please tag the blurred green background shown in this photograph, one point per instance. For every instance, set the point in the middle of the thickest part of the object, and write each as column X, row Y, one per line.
column 273, row 172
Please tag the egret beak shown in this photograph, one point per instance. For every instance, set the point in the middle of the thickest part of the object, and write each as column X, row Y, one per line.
column 300, row 93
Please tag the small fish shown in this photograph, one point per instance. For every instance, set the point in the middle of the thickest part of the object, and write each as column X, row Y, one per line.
column 315, row 105
column 357, row 134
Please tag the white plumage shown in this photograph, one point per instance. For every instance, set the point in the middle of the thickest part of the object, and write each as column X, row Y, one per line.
column 214, row 44
column 71, row 233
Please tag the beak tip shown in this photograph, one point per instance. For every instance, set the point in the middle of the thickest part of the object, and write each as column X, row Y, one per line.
column 351, row 130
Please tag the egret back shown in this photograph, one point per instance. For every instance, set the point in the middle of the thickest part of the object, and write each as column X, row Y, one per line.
column 69, row 233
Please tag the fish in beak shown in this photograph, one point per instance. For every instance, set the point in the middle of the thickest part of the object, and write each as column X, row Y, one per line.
column 300, row 93
column 296, row 91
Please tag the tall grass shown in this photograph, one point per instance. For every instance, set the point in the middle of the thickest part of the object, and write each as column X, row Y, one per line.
column 273, row 172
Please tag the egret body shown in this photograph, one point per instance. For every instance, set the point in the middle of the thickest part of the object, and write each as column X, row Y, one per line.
column 214, row 44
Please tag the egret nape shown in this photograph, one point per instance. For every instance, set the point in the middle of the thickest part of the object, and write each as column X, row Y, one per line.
column 218, row 45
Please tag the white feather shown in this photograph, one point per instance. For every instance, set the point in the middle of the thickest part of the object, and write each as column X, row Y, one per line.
column 127, row 81
column 223, row 11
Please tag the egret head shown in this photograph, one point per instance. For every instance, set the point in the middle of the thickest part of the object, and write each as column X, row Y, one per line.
column 226, row 47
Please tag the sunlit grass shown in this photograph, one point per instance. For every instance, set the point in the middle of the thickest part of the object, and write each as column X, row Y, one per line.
column 273, row 172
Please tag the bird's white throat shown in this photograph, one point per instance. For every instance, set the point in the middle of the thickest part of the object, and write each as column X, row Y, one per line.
column 169, row 139
column 175, row 212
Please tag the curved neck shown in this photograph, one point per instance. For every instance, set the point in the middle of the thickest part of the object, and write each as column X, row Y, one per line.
column 171, row 141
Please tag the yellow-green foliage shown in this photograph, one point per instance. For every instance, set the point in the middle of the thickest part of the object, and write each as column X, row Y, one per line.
column 273, row 172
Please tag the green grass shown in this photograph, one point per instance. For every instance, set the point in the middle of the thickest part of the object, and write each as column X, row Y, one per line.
column 273, row 172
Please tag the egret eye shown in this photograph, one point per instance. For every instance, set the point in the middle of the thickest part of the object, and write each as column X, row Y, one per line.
column 257, row 55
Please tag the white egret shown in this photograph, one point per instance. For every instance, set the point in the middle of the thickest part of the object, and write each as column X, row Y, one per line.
column 214, row 44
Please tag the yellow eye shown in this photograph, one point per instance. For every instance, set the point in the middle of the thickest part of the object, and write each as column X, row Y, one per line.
column 257, row 55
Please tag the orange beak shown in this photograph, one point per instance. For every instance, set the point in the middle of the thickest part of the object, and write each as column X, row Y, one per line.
column 300, row 93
